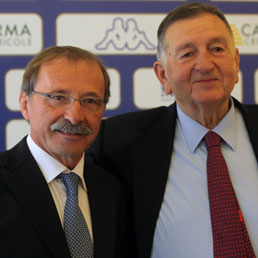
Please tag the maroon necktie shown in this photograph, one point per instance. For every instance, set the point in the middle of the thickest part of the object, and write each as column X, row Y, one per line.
column 230, row 237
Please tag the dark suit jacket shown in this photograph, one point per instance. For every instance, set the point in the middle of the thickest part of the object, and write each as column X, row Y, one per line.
column 137, row 148
column 29, row 222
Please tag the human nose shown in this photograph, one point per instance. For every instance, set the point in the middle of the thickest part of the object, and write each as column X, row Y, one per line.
column 74, row 113
column 204, row 62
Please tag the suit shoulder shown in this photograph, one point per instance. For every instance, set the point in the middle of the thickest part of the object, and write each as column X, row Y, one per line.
column 6, row 157
column 13, row 156
column 122, row 128
column 134, row 120
column 252, row 108
column 248, row 110
column 138, row 115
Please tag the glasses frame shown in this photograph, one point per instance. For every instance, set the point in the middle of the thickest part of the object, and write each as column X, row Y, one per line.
column 51, row 96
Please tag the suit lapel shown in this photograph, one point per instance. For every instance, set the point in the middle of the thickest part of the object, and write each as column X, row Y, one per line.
column 152, row 154
column 102, row 213
column 29, row 187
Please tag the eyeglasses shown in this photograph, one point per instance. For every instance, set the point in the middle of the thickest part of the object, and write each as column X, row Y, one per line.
column 61, row 100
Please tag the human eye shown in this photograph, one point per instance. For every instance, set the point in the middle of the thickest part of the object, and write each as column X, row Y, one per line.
column 186, row 55
column 91, row 101
column 218, row 49
column 59, row 97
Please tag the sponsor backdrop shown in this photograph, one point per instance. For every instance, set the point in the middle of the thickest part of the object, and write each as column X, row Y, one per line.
column 122, row 33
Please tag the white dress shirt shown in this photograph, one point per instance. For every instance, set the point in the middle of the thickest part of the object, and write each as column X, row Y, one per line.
column 183, row 228
column 50, row 169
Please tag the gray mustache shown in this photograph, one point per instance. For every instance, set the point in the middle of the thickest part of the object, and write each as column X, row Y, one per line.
column 67, row 127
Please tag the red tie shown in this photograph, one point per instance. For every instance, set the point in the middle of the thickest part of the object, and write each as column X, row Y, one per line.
column 230, row 237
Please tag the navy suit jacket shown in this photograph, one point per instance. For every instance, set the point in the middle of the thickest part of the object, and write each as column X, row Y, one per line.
column 137, row 148
column 29, row 222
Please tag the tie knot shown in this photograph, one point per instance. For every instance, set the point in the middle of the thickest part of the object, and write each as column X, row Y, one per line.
column 71, row 181
column 212, row 139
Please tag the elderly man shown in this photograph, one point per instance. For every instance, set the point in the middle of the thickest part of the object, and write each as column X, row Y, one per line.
column 54, row 204
column 189, row 199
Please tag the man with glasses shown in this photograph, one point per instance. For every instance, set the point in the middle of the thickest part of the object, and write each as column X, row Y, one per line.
column 63, row 97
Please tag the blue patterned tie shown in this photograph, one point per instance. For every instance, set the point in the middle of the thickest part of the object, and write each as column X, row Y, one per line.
column 75, row 227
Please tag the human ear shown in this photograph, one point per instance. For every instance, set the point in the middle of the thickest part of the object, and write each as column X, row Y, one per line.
column 162, row 76
column 237, row 63
column 24, row 101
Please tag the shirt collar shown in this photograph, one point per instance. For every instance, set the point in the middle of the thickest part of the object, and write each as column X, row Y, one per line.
column 49, row 166
column 194, row 132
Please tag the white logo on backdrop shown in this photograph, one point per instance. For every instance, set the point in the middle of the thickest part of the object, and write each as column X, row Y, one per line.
column 20, row 34
column 116, row 34
column 245, row 30
column 125, row 35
